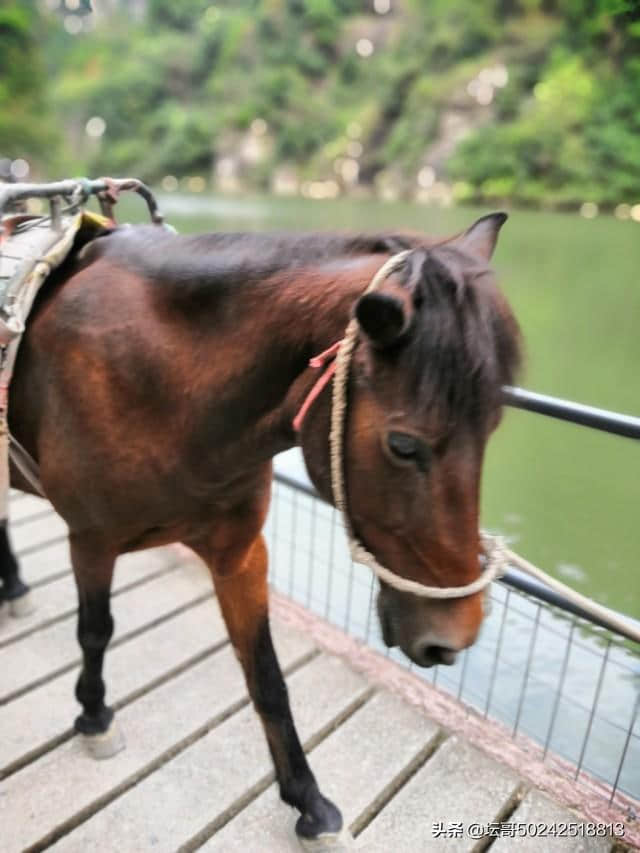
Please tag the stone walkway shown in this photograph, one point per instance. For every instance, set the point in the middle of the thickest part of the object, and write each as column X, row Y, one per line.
column 195, row 773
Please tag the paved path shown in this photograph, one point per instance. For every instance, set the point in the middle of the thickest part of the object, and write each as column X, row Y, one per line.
column 196, row 773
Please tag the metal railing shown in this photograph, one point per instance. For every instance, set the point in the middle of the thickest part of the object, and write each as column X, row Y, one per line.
column 75, row 192
column 576, row 413
column 541, row 666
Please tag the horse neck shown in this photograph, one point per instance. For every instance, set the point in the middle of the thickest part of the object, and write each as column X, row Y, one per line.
column 250, row 371
column 319, row 305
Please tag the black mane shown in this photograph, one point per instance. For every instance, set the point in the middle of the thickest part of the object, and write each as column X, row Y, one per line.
column 232, row 258
column 464, row 343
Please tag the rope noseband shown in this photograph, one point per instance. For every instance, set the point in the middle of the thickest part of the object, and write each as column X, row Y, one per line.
column 341, row 351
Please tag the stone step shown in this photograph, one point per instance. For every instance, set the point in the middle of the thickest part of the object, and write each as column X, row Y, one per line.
column 58, row 598
column 458, row 785
column 208, row 778
column 61, row 787
column 27, row 507
column 46, row 563
column 354, row 766
column 36, row 532
column 47, row 651
column 541, row 816
column 42, row 716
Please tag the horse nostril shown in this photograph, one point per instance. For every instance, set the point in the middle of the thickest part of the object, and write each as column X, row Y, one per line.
column 428, row 655
column 445, row 655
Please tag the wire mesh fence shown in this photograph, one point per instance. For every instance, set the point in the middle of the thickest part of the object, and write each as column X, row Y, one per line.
column 571, row 687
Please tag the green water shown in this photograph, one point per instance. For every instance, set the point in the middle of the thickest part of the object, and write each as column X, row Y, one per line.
column 566, row 497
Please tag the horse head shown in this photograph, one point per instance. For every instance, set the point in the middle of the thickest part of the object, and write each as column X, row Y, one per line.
column 437, row 342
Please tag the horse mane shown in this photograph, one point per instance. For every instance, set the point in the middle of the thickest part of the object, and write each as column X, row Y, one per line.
column 465, row 343
column 231, row 259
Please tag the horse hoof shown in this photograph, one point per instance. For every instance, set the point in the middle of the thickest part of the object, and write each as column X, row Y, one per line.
column 104, row 745
column 322, row 828
column 23, row 605
column 4, row 610
column 329, row 842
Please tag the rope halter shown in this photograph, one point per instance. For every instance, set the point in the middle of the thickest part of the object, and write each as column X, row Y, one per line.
column 339, row 356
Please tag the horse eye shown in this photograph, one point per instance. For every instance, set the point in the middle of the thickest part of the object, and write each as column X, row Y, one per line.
column 403, row 445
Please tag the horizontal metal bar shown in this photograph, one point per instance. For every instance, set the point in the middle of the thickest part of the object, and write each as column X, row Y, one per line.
column 68, row 188
column 536, row 589
column 512, row 577
column 577, row 413
column 15, row 192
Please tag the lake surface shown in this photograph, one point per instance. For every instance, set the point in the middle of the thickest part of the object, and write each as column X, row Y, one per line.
column 566, row 497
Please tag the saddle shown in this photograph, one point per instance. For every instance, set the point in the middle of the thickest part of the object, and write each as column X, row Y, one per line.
column 31, row 247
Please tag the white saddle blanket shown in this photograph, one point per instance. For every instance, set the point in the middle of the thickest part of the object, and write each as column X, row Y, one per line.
column 27, row 256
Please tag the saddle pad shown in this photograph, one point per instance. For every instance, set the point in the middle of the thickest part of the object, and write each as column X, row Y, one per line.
column 29, row 244
column 29, row 251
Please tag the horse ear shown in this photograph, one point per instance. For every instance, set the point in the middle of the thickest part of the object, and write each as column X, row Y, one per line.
column 480, row 240
column 382, row 317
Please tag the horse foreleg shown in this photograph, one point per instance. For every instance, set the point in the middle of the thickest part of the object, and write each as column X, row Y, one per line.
column 12, row 587
column 93, row 569
column 243, row 595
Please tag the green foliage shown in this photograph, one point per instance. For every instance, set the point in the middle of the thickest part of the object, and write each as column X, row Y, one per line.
column 576, row 137
column 167, row 14
column 23, row 126
column 322, row 19
column 179, row 86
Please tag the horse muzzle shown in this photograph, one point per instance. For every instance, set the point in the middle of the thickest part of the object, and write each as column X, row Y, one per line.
column 429, row 632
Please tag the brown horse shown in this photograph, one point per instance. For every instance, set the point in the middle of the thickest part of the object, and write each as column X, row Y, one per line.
column 159, row 376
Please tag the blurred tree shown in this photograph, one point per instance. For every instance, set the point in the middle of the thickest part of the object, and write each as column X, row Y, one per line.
column 24, row 129
column 167, row 14
column 180, row 84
